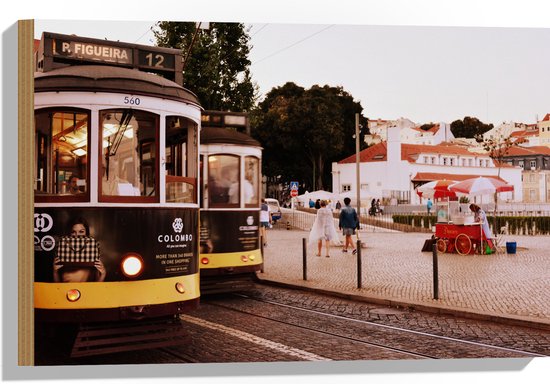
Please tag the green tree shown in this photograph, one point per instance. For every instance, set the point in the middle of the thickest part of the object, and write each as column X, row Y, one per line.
column 304, row 130
column 469, row 127
column 497, row 147
column 217, row 68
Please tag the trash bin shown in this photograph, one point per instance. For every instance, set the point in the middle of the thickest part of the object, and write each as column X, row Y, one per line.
column 511, row 247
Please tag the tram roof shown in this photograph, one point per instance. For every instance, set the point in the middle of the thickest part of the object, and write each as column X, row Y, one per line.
column 210, row 135
column 102, row 78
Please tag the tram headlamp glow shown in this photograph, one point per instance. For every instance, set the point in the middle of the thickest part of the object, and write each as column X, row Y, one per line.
column 205, row 261
column 180, row 288
column 132, row 265
column 244, row 258
column 252, row 257
column 73, row 295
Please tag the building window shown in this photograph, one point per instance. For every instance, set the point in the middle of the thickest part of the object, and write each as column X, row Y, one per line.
column 346, row 187
column 451, row 161
column 533, row 164
column 532, row 177
column 470, row 162
column 444, row 161
column 532, row 195
column 521, row 164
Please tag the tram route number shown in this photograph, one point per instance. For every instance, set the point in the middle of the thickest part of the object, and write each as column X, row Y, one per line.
column 130, row 100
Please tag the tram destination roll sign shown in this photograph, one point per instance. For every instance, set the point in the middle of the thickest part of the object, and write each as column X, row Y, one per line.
column 59, row 50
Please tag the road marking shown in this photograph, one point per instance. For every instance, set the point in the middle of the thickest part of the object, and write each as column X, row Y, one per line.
column 255, row 339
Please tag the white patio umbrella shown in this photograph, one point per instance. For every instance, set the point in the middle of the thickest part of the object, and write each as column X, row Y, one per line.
column 478, row 186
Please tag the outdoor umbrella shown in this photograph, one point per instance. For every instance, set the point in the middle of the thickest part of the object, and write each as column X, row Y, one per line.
column 481, row 186
column 436, row 189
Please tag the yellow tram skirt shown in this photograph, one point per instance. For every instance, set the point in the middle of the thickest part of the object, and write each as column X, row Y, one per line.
column 116, row 294
column 231, row 260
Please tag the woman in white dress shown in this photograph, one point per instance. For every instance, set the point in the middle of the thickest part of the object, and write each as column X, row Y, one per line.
column 323, row 229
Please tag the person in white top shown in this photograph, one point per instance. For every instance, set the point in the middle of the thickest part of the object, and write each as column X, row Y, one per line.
column 323, row 229
column 265, row 221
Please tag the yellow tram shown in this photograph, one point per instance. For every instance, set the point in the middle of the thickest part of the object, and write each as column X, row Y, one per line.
column 230, row 252
column 116, row 213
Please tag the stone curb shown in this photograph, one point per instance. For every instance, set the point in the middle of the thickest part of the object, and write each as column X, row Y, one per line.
column 459, row 312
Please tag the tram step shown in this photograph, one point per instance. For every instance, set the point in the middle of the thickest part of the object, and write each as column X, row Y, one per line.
column 102, row 339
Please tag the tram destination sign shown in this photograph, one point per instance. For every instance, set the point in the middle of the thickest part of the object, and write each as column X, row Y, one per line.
column 57, row 50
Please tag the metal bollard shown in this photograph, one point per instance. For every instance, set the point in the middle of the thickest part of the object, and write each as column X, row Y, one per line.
column 435, row 271
column 304, row 258
column 359, row 266
column 262, row 253
column 288, row 225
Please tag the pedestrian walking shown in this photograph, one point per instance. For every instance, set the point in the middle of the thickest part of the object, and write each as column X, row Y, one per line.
column 429, row 205
column 265, row 221
column 348, row 223
column 323, row 229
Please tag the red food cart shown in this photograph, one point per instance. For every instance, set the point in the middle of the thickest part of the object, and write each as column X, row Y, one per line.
column 464, row 239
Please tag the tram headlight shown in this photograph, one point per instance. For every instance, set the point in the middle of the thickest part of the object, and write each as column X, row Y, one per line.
column 252, row 257
column 205, row 261
column 244, row 258
column 73, row 295
column 132, row 265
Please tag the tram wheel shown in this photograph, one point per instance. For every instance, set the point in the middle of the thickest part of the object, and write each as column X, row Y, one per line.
column 463, row 244
column 441, row 245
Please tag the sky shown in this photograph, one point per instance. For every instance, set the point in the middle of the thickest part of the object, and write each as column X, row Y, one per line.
column 428, row 73
column 426, row 60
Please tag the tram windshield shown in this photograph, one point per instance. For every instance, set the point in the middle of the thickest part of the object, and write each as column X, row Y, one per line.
column 228, row 185
column 61, row 160
column 129, row 147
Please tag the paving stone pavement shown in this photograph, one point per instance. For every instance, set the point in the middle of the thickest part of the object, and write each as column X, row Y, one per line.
column 511, row 288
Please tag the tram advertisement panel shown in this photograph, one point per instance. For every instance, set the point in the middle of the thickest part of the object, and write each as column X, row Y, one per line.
column 165, row 239
column 229, row 231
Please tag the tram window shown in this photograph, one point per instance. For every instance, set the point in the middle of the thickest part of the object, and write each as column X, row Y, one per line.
column 251, row 183
column 61, row 160
column 129, row 160
column 223, row 180
column 181, row 175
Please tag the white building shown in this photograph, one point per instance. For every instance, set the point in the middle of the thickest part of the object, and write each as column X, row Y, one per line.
column 393, row 169
column 410, row 132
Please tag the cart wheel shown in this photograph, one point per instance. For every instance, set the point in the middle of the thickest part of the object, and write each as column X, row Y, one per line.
column 463, row 244
column 441, row 245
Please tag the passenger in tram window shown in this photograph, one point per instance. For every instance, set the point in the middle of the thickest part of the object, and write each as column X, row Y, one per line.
column 67, row 273
column 73, row 185
column 248, row 190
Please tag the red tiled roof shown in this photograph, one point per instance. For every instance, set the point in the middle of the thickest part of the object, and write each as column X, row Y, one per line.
column 431, row 176
column 526, row 151
column 547, row 117
column 409, row 152
column 433, row 129
column 36, row 45
column 524, row 133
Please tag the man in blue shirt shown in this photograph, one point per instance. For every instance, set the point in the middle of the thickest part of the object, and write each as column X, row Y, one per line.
column 429, row 205
column 348, row 223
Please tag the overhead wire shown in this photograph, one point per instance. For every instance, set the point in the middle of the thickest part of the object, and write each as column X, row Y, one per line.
column 293, row 44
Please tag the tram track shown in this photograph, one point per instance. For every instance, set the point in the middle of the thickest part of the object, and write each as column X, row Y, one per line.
column 401, row 329
column 399, row 338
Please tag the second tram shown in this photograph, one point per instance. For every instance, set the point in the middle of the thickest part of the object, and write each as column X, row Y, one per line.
column 230, row 252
